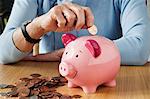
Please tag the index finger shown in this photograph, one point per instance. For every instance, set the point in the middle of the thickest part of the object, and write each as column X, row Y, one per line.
column 89, row 16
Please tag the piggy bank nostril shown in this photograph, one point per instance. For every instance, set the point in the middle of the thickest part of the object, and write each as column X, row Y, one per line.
column 77, row 56
column 64, row 69
column 61, row 68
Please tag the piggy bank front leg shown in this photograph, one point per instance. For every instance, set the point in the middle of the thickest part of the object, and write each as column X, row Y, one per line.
column 89, row 89
column 111, row 83
column 71, row 85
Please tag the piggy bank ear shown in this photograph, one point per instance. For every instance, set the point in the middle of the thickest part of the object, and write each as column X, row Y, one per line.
column 67, row 38
column 93, row 47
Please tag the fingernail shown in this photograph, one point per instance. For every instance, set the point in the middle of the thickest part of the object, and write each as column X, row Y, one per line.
column 91, row 24
column 84, row 27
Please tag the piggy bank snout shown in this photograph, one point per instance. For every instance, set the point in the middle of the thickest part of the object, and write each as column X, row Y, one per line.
column 67, row 70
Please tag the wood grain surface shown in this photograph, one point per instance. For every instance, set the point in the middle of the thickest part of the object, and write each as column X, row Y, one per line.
column 133, row 82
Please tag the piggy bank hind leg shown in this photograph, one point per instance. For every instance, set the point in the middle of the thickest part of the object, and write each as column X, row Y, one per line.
column 71, row 85
column 89, row 89
column 111, row 83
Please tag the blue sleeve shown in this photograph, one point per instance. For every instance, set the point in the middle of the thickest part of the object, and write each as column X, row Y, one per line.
column 134, row 45
column 22, row 10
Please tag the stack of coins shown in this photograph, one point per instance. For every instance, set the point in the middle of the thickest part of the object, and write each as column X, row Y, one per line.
column 36, row 86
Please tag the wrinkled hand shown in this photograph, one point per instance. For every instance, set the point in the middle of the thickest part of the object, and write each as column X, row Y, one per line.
column 51, row 56
column 67, row 17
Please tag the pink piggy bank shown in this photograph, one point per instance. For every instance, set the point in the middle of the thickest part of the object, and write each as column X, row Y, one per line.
column 89, row 61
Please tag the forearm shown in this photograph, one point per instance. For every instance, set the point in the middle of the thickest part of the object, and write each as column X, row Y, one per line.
column 8, row 51
column 13, row 45
column 133, row 50
column 34, row 30
column 134, row 44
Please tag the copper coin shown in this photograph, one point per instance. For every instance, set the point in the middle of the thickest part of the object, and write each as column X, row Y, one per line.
column 25, row 79
column 10, row 86
column 47, row 78
column 35, row 75
column 63, row 80
column 21, row 84
column 3, row 94
column 45, row 93
column 23, row 91
column 2, row 86
column 12, row 93
column 65, row 97
column 76, row 96
column 57, row 94
column 34, row 92
column 39, row 87
column 44, row 88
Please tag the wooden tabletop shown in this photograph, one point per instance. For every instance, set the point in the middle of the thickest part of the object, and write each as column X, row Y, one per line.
column 133, row 82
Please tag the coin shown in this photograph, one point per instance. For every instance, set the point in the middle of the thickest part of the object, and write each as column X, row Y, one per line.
column 2, row 86
column 93, row 30
column 34, row 97
column 57, row 94
column 13, row 93
column 65, row 97
column 23, row 91
column 76, row 96
column 37, row 87
column 63, row 80
column 3, row 94
column 35, row 75
column 34, row 92
column 10, row 86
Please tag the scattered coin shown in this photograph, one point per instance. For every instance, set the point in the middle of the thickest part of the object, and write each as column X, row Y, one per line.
column 3, row 94
column 2, row 86
column 34, row 97
column 12, row 94
column 10, row 86
column 23, row 91
column 37, row 87
column 25, row 79
column 34, row 92
column 57, row 94
column 35, row 75
column 65, row 97
column 93, row 30
column 76, row 96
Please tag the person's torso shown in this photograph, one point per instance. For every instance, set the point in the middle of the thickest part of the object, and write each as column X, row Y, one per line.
column 107, row 20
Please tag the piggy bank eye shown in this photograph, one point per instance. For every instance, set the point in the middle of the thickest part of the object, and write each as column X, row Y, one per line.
column 77, row 55
column 66, row 53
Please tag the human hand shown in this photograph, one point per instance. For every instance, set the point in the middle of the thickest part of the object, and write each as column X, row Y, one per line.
column 66, row 17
